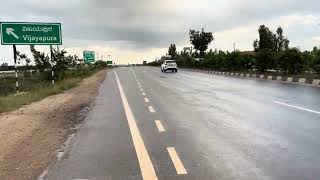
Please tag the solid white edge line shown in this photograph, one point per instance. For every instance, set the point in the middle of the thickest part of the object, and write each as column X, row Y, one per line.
column 176, row 161
column 146, row 167
column 297, row 107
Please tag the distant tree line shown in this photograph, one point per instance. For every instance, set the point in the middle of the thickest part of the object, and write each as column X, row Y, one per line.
column 271, row 52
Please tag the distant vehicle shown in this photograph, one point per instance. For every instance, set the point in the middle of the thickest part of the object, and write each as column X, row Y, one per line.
column 144, row 63
column 169, row 65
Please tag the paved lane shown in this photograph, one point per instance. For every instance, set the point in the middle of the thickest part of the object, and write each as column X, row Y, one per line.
column 198, row 126
column 240, row 130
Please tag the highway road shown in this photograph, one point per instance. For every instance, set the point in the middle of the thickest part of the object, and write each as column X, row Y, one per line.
column 187, row 125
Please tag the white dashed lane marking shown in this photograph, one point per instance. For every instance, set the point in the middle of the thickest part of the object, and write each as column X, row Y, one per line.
column 159, row 126
column 176, row 161
column 151, row 109
column 143, row 94
column 146, row 100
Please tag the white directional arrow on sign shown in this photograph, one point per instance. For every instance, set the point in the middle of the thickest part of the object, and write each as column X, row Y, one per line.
column 11, row 31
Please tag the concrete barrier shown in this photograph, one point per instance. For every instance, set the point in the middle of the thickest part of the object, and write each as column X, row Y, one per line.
column 302, row 80
column 279, row 78
column 316, row 82
column 262, row 76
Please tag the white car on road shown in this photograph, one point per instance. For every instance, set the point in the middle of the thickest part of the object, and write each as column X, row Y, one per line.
column 169, row 65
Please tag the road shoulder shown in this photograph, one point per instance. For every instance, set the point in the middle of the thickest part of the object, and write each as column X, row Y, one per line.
column 32, row 134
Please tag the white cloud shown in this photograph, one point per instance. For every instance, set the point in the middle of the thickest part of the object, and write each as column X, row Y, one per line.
column 245, row 34
column 144, row 29
column 317, row 39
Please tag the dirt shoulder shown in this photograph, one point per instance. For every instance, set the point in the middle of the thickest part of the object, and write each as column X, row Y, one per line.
column 31, row 135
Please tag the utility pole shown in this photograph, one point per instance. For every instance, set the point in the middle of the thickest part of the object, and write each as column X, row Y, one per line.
column 234, row 47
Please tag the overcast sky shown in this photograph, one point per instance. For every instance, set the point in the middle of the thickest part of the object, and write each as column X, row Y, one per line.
column 132, row 31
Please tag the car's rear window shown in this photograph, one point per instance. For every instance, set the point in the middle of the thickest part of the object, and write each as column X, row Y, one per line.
column 170, row 62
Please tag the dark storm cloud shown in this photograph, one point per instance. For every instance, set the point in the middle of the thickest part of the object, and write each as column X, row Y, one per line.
column 146, row 23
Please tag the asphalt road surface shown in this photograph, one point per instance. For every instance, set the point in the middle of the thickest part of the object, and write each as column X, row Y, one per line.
column 151, row 125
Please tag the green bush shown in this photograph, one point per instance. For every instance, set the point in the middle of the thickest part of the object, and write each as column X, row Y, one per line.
column 100, row 64
column 316, row 63
column 291, row 61
column 264, row 60
column 287, row 61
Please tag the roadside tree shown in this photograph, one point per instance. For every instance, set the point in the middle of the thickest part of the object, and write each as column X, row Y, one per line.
column 172, row 51
column 200, row 41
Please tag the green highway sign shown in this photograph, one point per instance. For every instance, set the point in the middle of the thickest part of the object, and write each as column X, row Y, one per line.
column 25, row 33
column 89, row 56
column 109, row 62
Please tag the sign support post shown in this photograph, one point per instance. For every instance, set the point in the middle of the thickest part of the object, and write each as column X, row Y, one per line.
column 15, row 67
column 52, row 71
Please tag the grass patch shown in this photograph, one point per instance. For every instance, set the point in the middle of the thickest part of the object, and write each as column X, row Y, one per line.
column 11, row 102
column 34, row 88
